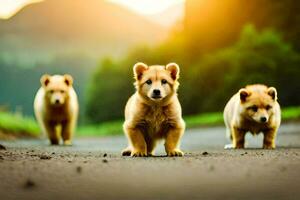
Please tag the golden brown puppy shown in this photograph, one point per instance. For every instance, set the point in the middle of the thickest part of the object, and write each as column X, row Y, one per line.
column 154, row 112
column 254, row 109
column 56, row 105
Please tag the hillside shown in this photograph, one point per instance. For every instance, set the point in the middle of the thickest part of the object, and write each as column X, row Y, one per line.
column 65, row 36
column 91, row 28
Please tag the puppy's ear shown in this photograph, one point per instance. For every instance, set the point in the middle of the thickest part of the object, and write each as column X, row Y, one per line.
column 243, row 94
column 138, row 70
column 68, row 79
column 45, row 80
column 272, row 92
column 174, row 70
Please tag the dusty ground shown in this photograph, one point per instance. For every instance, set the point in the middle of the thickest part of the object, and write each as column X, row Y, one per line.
column 94, row 169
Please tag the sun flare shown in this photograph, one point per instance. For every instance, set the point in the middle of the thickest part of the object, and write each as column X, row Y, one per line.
column 144, row 7
column 147, row 7
column 10, row 7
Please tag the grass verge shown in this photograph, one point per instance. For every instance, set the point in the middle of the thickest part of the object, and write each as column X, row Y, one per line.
column 205, row 119
column 18, row 125
column 26, row 126
column 106, row 128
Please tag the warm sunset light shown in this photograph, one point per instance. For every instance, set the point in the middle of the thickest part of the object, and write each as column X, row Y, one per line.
column 10, row 7
column 145, row 7
column 149, row 99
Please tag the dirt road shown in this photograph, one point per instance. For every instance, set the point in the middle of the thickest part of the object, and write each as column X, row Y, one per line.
column 94, row 169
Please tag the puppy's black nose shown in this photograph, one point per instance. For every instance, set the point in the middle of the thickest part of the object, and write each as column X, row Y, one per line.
column 156, row 92
column 56, row 101
column 263, row 119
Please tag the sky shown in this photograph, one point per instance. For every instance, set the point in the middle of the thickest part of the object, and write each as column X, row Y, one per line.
column 145, row 7
column 9, row 7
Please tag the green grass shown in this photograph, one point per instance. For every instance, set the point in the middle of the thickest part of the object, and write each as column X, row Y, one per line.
column 290, row 114
column 16, row 124
column 115, row 127
column 106, row 128
column 205, row 119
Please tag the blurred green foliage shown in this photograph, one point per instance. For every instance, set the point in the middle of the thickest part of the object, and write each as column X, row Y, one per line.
column 214, row 24
column 106, row 128
column 18, row 125
column 290, row 113
column 217, row 51
column 256, row 58
column 18, row 84
column 107, row 92
column 21, row 126
column 207, row 82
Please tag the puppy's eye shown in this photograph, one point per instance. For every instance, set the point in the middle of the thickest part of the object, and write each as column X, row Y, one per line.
column 149, row 82
column 254, row 108
column 268, row 107
column 164, row 81
column 51, row 91
column 62, row 91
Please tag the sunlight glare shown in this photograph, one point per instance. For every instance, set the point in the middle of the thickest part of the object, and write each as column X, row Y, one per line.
column 10, row 7
column 144, row 7
column 147, row 7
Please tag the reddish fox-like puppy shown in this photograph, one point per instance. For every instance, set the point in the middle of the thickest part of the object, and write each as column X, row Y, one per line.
column 153, row 112
column 253, row 109
column 56, row 105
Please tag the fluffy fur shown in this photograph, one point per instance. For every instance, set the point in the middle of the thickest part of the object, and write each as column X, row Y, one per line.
column 56, row 105
column 254, row 109
column 153, row 112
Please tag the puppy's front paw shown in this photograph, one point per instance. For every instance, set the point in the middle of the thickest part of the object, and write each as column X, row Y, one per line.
column 239, row 146
column 228, row 146
column 126, row 152
column 54, row 141
column 269, row 146
column 138, row 154
column 150, row 154
column 68, row 143
column 175, row 152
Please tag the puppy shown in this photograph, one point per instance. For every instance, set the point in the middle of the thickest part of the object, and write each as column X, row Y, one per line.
column 56, row 105
column 254, row 109
column 153, row 112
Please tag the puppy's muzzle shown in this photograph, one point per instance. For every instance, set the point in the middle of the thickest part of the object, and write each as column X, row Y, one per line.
column 156, row 94
column 263, row 119
column 57, row 102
